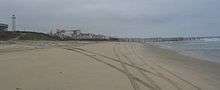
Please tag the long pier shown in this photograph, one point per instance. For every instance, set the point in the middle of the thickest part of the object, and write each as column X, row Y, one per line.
column 142, row 40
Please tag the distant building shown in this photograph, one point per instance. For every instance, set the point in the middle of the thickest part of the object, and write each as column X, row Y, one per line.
column 93, row 36
column 86, row 36
column 13, row 23
column 60, row 33
column 3, row 27
column 75, row 34
column 102, row 37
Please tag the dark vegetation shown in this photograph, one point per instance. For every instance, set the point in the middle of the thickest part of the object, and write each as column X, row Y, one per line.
column 25, row 35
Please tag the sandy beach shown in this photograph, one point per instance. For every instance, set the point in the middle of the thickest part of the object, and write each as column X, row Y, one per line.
column 49, row 65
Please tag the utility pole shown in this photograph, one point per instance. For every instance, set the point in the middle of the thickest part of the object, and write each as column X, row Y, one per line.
column 13, row 23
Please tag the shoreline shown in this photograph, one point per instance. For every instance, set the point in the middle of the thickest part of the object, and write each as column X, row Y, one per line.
column 170, row 58
column 183, row 53
column 196, row 55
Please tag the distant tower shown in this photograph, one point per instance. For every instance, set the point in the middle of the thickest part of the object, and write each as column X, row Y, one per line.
column 13, row 23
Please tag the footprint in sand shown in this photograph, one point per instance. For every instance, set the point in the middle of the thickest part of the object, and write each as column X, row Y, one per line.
column 18, row 89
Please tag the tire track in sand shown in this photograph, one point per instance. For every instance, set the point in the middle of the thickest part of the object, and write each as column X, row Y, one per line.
column 110, row 58
column 159, row 74
column 132, row 81
column 152, row 84
column 180, row 78
column 115, row 67
column 85, row 52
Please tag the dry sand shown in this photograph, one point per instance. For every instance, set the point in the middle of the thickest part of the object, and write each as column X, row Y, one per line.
column 101, row 66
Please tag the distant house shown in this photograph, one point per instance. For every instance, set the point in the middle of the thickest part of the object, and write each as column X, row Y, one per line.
column 99, row 36
column 75, row 33
column 3, row 27
column 86, row 36
column 92, row 36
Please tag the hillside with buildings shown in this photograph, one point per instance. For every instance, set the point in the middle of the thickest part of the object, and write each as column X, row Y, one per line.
column 77, row 35
column 60, row 34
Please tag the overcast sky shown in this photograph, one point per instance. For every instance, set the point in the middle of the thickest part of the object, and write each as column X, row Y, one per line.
column 124, row 18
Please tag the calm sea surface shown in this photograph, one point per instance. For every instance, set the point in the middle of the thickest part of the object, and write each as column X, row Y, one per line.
column 206, row 49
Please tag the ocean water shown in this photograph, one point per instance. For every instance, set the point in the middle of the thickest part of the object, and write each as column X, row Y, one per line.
column 205, row 49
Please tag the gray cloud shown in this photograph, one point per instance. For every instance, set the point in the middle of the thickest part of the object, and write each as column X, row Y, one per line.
column 135, row 18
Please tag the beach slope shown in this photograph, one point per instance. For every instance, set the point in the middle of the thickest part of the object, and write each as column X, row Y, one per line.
column 102, row 66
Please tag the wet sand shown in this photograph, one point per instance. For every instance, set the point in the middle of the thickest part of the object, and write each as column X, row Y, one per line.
column 101, row 66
